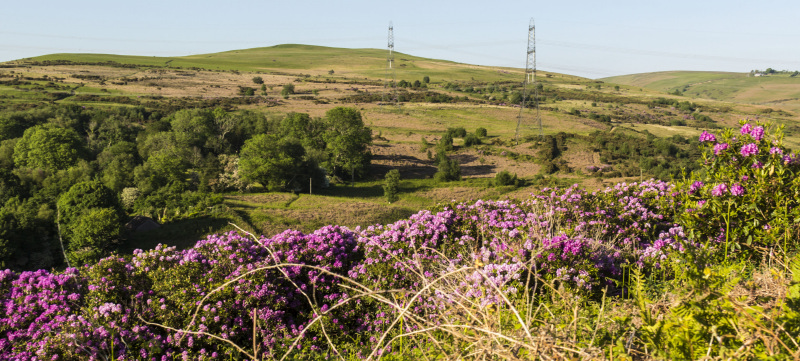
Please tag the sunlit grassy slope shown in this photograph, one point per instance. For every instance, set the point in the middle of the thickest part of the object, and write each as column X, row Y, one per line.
column 775, row 89
column 312, row 60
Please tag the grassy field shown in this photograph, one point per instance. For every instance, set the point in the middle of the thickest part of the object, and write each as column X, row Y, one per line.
column 780, row 91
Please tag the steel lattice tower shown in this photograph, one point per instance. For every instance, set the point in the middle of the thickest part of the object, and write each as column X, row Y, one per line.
column 530, row 78
column 390, row 71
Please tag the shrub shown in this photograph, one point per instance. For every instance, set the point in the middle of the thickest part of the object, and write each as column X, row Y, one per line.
column 287, row 89
column 504, row 178
column 471, row 139
column 459, row 132
column 744, row 199
column 445, row 143
column 449, row 170
column 391, row 186
column 423, row 144
column 481, row 132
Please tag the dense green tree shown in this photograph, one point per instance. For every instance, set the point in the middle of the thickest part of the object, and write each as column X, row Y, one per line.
column 301, row 126
column 89, row 218
column 117, row 164
column 193, row 128
column 161, row 169
column 481, row 132
column 93, row 235
column 278, row 164
column 26, row 233
column 48, row 148
column 258, row 80
column 7, row 153
column 60, row 181
column 347, row 141
column 85, row 195
column 426, row 79
column 10, row 185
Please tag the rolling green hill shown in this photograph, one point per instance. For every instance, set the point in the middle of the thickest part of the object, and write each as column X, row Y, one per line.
column 778, row 90
column 313, row 60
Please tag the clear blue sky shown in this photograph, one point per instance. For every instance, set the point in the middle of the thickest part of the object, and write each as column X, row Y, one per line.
column 588, row 38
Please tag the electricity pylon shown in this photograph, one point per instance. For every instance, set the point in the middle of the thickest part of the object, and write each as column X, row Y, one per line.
column 530, row 78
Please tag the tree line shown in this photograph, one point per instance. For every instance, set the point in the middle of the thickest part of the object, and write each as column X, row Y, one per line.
column 71, row 176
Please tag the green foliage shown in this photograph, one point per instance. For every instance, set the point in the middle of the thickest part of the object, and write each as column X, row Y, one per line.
column 258, row 80
column 301, row 126
column 391, row 186
column 160, row 170
column 26, row 229
column 117, row 164
column 246, row 91
column 288, row 89
column 48, row 148
column 458, row 132
column 90, row 217
column 706, row 319
column 347, row 141
column 86, row 195
column 481, row 132
column 745, row 198
column 92, row 235
column 174, row 202
column 505, row 178
column 278, row 164
column 628, row 155
column 471, row 139
column 445, row 143
column 448, row 170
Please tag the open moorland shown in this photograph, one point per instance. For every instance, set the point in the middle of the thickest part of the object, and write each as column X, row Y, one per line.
column 443, row 214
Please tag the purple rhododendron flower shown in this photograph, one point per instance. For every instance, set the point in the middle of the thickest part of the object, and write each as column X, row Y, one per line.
column 719, row 190
column 737, row 190
column 757, row 133
column 746, row 129
column 775, row 150
column 719, row 148
column 749, row 149
column 695, row 187
column 707, row 137
column 757, row 165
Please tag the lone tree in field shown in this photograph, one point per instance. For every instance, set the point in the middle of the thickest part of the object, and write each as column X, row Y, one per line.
column 391, row 186
column 288, row 89
column 258, row 80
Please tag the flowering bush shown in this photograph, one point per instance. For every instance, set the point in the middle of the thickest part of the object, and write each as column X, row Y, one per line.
column 747, row 196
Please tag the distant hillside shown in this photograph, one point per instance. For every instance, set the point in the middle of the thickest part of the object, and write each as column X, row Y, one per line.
column 779, row 90
column 311, row 60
